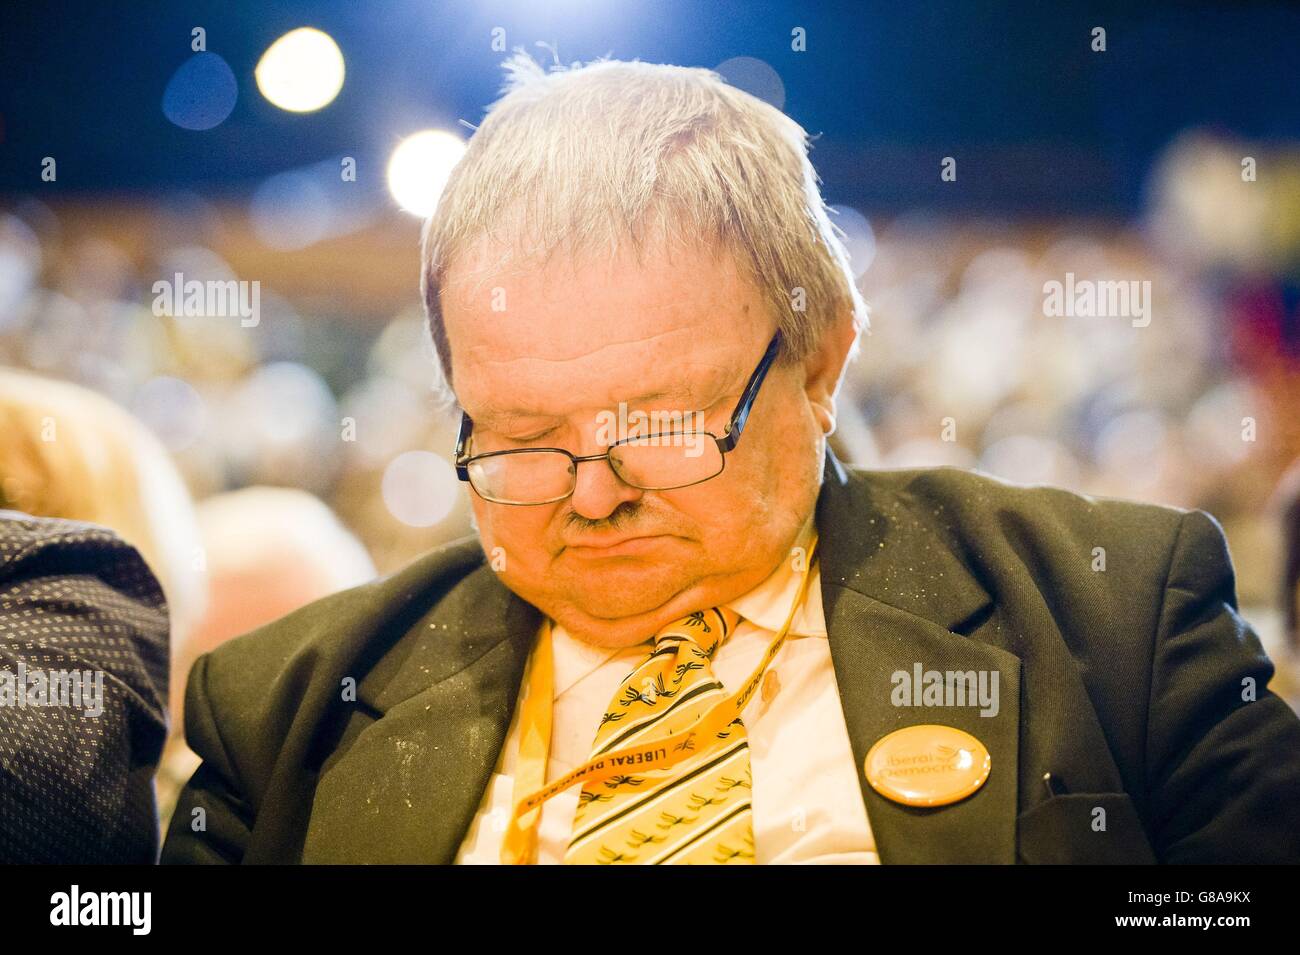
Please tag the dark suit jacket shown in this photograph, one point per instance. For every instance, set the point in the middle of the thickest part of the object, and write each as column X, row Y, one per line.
column 1126, row 684
column 78, row 787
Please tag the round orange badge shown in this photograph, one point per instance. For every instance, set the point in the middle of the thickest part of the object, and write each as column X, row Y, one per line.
column 927, row 765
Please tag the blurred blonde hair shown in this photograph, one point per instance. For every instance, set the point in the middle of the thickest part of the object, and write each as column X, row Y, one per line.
column 579, row 158
column 68, row 452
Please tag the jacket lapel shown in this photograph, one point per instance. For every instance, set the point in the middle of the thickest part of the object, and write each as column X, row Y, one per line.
column 895, row 595
column 408, row 787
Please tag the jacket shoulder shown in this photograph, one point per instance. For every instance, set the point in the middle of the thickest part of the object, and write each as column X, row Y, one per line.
column 970, row 506
column 338, row 628
column 1097, row 564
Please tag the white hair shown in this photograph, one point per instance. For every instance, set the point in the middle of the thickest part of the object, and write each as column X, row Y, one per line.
column 582, row 158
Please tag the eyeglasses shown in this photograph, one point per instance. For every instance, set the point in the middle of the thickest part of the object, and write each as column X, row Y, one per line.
column 662, row 461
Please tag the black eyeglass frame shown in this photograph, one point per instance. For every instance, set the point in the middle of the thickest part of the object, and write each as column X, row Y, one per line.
column 727, row 442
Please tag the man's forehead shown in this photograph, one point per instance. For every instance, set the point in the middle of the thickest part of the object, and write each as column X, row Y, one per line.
column 685, row 392
column 624, row 330
column 610, row 288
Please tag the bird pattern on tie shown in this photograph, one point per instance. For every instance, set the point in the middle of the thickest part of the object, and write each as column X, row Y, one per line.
column 696, row 812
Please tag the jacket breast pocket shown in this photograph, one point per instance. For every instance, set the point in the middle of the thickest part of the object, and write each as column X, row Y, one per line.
column 1083, row 829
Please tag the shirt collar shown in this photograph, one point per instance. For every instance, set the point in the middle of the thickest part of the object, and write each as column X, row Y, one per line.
column 574, row 658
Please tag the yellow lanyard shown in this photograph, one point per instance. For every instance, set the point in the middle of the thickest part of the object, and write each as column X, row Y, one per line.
column 519, row 846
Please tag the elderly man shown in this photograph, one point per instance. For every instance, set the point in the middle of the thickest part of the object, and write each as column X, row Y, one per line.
column 685, row 633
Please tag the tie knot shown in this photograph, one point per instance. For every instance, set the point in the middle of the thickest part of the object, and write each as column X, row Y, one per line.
column 705, row 629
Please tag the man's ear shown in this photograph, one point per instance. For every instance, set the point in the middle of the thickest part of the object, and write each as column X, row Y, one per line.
column 824, row 368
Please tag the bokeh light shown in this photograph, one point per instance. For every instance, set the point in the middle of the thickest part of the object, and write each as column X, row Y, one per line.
column 173, row 410
column 859, row 239
column 419, row 488
column 302, row 71
column 20, row 264
column 291, row 210
column 755, row 77
column 419, row 168
column 201, row 93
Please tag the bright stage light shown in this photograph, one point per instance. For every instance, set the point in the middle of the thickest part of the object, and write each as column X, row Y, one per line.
column 419, row 167
column 302, row 71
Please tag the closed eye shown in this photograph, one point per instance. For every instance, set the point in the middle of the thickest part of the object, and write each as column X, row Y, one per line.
column 531, row 438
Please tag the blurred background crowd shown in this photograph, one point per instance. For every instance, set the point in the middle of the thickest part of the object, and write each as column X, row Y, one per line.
column 261, row 466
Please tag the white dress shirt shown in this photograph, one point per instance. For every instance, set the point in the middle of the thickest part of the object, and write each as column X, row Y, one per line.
column 807, row 804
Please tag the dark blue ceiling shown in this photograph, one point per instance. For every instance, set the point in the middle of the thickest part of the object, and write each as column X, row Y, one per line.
column 1044, row 124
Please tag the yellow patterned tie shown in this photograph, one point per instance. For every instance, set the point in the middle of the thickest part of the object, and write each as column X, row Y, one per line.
column 697, row 812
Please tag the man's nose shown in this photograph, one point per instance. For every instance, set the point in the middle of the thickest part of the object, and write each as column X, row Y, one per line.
column 600, row 491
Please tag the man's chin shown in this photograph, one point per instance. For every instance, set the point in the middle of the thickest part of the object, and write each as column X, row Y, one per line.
column 612, row 605
column 617, row 598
